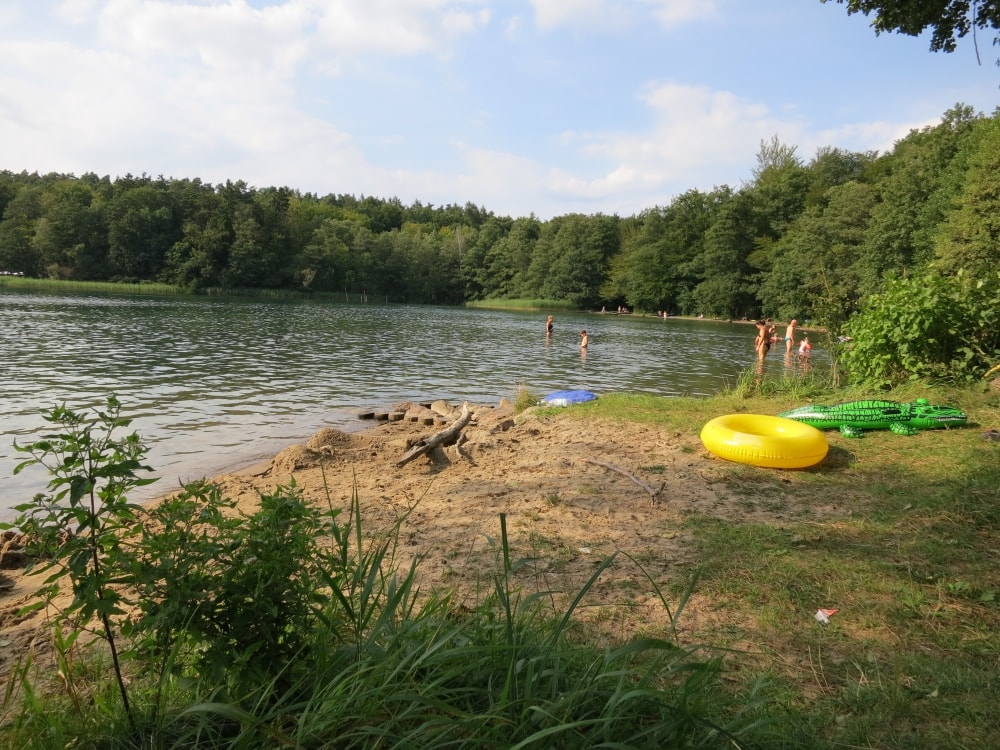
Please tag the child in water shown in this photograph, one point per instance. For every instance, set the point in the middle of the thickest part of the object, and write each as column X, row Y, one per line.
column 584, row 340
column 805, row 347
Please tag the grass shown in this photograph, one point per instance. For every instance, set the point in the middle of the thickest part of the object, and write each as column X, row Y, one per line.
column 521, row 304
column 898, row 534
column 61, row 286
column 390, row 667
column 91, row 287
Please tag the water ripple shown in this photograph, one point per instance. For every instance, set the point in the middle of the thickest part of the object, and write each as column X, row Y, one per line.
column 211, row 384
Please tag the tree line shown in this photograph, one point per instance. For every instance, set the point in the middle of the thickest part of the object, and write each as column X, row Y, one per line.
column 800, row 238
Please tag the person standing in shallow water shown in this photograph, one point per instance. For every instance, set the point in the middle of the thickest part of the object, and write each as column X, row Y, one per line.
column 548, row 326
column 584, row 340
column 790, row 336
column 763, row 341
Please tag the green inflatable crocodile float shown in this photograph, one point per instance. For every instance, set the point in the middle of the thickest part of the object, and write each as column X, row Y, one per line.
column 854, row 417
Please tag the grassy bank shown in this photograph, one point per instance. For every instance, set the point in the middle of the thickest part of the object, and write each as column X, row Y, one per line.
column 903, row 544
column 521, row 304
column 57, row 286
column 898, row 534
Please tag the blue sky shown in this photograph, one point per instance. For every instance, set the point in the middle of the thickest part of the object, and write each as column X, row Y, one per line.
column 536, row 106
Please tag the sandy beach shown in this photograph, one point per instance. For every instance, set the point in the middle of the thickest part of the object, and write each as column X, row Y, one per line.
column 574, row 492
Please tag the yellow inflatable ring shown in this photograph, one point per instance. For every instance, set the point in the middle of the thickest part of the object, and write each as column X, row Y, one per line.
column 761, row 440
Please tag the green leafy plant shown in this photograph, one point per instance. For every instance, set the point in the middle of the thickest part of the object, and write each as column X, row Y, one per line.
column 77, row 529
column 234, row 595
column 930, row 327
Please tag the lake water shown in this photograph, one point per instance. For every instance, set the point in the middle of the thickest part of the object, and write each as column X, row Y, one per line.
column 214, row 384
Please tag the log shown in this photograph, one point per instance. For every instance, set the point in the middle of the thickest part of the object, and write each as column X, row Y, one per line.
column 446, row 436
column 652, row 491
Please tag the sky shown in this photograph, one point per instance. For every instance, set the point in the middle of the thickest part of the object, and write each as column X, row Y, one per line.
column 544, row 107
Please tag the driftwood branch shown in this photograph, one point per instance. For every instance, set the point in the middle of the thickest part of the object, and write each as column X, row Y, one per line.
column 652, row 491
column 445, row 437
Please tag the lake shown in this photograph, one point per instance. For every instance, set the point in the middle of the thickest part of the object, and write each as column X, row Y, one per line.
column 215, row 384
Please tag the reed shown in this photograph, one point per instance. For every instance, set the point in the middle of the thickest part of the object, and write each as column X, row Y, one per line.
column 521, row 304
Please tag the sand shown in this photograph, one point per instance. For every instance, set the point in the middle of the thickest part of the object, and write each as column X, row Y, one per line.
column 573, row 492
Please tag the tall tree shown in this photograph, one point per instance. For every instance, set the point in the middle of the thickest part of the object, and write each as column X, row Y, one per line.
column 726, row 287
column 654, row 270
column 581, row 249
column 475, row 258
column 779, row 189
column 817, row 271
column 142, row 227
column 913, row 198
column 17, row 233
column 969, row 238
column 71, row 234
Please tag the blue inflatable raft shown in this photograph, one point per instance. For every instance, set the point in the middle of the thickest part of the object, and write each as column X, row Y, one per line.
column 565, row 398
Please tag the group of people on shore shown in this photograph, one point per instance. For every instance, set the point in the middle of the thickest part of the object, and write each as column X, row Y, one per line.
column 766, row 335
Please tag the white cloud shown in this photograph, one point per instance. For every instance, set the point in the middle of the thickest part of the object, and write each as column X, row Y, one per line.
column 394, row 27
column 593, row 14
column 76, row 11
column 616, row 15
column 230, row 36
column 674, row 12
column 696, row 136
column 877, row 135
column 219, row 89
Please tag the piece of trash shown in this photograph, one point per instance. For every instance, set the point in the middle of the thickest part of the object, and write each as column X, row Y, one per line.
column 585, row 550
column 824, row 615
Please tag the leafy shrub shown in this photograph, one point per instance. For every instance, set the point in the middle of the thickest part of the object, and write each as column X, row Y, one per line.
column 77, row 529
column 930, row 327
column 238, row 592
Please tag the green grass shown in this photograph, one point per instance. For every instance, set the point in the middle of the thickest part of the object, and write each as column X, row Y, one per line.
column 899, row 534
column 59, row 286
column 92, row 287
column 521, row 304
column 388, row 667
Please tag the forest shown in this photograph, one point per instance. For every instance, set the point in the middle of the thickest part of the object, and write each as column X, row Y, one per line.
column 812, row 239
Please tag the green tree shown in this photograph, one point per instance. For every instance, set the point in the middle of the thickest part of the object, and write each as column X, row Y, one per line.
column 833, row 166
column 816, row 264
column 17, row 233
column 383, row 215
column 654, row 270
column 969, row 238
column 726, row 287
column 325, row 262
column 913, row 198
column 142, row 227
column 779, row 190
column 475, row 259
column 578, row 249
column 71, row 233
column 510, row 257
column 196, row 261
column 950, row 20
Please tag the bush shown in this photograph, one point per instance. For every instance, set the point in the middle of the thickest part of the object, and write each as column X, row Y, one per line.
column 935, row 328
